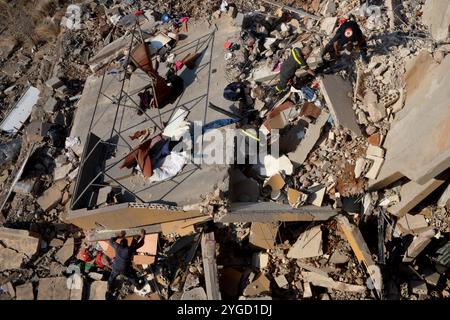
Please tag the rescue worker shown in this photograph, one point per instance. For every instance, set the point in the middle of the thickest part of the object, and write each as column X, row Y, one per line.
column 297, row 60
column 348, row 37
column 123, row 259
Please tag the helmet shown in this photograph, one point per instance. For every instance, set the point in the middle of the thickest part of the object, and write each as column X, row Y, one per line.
column 348, row 32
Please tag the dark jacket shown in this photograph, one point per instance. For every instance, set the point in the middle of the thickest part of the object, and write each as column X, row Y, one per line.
column 124, row 255
column 289, row 67
column 357, row 39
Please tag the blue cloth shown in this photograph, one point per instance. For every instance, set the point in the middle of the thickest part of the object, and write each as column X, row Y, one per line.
column 309, row 93
column 218, row 123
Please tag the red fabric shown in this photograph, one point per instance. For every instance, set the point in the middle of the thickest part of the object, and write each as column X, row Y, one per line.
column 341, row 21
column 85, row 255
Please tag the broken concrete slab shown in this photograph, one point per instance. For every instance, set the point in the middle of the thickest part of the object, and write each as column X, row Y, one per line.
column 296, row 198
column 411, row 194
column 418, row 144
column 208, row 245
column 337, row 93
column 308, row 244
column 194, row 294
column 375, row 151
column 436, row 15
column 129, row 215
column 270, row 211
column 312, row 268
column 9, row 289
column 97, row 290
column 418, row 287
column 443, row 199
column 258, row 286
column 431, row 277
column 50, row 105
column 243, row 189
column 25, row 292
column 18, row 114
column 37, row 130
column 327, row 24
column 50, row 198
column 264, row 73
column 412, row 224
column 19, row 240
column 62, row 172
column 338, row 258
column 54, row 83
column 263, row 235
column 316, row 198
column 418, row 244
column 361, row 251
column 276, row 183
column 327, row 282
column 274, row 165
column 376, row 164
column 57, row 289
column 281, row 281
column 66, row 252
column 309, row 141
column 10, row 259
column 260, row 260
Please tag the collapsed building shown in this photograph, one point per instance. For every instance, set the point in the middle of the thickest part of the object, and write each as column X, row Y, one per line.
column 355, row 205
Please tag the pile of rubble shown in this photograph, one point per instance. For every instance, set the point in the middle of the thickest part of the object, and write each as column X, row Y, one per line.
column 356, row 205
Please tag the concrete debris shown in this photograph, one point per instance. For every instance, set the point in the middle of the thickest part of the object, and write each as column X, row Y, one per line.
column 327, row 282
column 20, row 111
column 281, row 281
column 309, row 141
column 263, row 235
column 97, row 290
column 337, row 94
column 411, row 194
column 233, row 162
column 20, row 241
column 66, row 252
column 50, row 198
column 412, row 224
column 258, row 286
column 308, row 245
column 58, row 289
column 194, row 294
column 10, row 259
column 260, row 260
column 25, row 292
column 418, row 245
column 274, row 165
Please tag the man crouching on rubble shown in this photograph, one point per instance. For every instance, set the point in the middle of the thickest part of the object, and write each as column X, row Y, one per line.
column 123, row 259
column 297, row 60
column 348, row 37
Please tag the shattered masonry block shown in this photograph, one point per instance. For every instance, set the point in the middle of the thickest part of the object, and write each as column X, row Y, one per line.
column 54, row 83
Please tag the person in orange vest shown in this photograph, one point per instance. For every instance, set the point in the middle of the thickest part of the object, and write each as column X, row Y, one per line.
column 297, row 60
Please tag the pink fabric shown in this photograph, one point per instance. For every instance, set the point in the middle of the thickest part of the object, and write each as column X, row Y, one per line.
column 178, row 65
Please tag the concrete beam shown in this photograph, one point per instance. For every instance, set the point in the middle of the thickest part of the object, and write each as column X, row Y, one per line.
column 270, row 212
column 337, row 93
column 210, row 266
column 418, row 143
column 412, row 194
column 169, row 227
column 307, row 144
column 362, row 252
column 127, row 215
